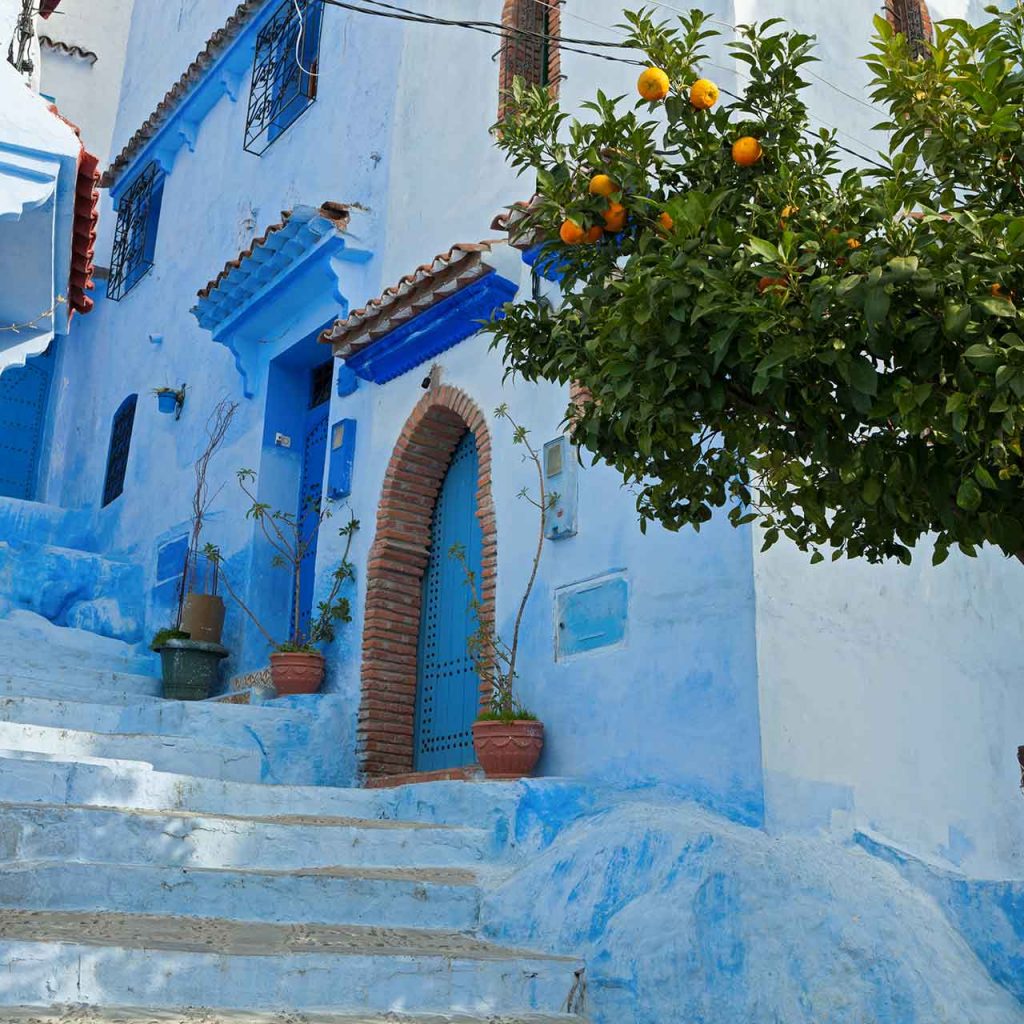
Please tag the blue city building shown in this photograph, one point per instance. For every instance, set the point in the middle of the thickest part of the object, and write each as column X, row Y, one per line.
column 768, row 791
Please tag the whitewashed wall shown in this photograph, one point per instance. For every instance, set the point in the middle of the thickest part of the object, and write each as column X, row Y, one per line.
column 87, row 91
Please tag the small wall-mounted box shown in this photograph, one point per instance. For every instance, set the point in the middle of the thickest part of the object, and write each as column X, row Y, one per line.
column 591, row 615
column 562, row 485
column 341, row 459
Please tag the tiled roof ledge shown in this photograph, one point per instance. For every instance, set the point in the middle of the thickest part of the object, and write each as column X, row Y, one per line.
column 218, row 71
column 288, row 282
column 429, row 311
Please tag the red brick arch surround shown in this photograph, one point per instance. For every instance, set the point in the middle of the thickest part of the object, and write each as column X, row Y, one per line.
column 397, row 562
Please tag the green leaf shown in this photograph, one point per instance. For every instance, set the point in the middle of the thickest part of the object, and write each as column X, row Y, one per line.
column 876, row 305
column 996, row 307
column 765, row 250
column 872, row 490
column 863, row 376
column 968, row 497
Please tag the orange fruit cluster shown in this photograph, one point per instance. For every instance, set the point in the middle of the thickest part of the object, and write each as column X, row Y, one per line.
column 653, row 85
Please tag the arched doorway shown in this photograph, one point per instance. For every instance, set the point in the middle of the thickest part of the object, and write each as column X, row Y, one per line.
column 442, row 461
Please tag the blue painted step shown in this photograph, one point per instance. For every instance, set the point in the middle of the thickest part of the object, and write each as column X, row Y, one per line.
column 74, row 588
column 33, row 522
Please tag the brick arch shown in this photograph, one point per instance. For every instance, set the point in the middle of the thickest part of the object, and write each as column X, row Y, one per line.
column 397, row 562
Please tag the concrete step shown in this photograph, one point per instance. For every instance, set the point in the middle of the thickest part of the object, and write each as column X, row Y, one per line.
column 37, row 647
column 169, row 753
column 135, row 1015
column 230, row 725
column 84, row 685
column 387, row 897
column 22, row 521
column 181, row 962
column 74, row 588
column 124, row 784
column 38, row 832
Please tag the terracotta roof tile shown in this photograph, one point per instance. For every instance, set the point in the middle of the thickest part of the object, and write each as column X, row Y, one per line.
column 429, row 284
column 69, row 48
column 83, row 238
column 511, row 220
column 337, row 212
column 215, row 45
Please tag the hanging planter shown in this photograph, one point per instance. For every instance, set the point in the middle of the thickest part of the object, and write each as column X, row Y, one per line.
column 171, row 400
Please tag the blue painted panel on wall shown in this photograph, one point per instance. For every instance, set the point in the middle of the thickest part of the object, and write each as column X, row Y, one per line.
column 447, row 687
column 343, row 453
column 170, row 558
column 24, row 395
column 591, row 615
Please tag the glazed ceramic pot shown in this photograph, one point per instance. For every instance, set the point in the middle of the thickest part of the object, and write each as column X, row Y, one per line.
column 202, row 617
column 296, row 672
column 190, row 668
column 508, row 750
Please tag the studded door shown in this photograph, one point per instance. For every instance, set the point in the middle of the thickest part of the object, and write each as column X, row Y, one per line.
column 447, row 688
column 314, row 455
column 24, row 395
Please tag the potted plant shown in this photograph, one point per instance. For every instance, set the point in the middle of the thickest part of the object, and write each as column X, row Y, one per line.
column 296, row 664
column 171, row 400
column 200, row 608
column 189, row 667
column 508, row 739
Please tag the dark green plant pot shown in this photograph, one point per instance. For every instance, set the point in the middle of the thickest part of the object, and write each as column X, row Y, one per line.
column 190, row 668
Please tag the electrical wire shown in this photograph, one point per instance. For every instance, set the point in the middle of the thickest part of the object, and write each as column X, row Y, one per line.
column 397, row 13
column 299, row 41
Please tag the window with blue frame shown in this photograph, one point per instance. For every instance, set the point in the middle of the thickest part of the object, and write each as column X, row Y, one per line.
column 138, row 214
column 284, row 73
column 120, row 445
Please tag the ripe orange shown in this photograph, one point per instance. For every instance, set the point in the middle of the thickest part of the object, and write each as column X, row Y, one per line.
column 703, row 94
column 602, row 185
column 571, row 233
column 789, row 211
column 852, row 243
column 666, row 222
column 996, row 290
column 593, row 234
column 771, row 282
column 747, row 151
column 614, row 217
column 653, row 84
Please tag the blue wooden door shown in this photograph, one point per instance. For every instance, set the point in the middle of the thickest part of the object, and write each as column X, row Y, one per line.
column 24, row 396
column 314, row 454
column 447, row 688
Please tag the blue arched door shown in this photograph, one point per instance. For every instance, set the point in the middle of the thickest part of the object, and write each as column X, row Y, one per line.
column 447, row 688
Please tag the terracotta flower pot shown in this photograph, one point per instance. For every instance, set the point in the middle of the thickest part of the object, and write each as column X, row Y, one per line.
column 296, row 672
column 508, row 750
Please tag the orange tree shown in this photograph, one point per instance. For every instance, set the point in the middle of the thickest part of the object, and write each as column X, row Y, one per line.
column 837, row 354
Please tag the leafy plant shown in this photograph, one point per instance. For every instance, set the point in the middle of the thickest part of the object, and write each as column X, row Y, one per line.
column 291, row 537
column 202, row 500
column 837, row 354
column 162, row 636
column 494, row 660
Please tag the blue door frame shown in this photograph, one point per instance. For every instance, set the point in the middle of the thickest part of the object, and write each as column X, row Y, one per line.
column 24, row 399
column 447, row 687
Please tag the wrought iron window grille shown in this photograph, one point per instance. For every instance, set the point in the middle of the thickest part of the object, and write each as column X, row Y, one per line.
column 120, row 445
column 907, row 17
column 285, row 72
column 138, row 214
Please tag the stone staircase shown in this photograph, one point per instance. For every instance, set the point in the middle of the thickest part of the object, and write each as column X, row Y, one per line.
column 147, row 866
column 49, row 565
